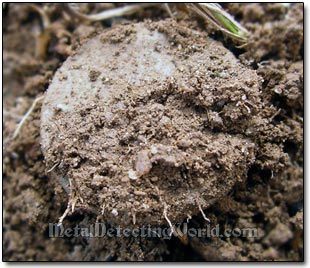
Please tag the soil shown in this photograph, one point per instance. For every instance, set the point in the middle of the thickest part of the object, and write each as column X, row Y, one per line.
column 147, row 120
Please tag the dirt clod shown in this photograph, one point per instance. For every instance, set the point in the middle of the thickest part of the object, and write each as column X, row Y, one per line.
column 129, row 128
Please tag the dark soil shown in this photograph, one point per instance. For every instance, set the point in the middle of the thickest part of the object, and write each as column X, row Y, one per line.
column 213, row 126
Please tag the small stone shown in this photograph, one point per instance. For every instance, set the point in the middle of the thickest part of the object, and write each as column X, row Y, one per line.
column 98, row 177
column 132, row 175
column 278, row 90
column 143, row 163
column 154, row 179
column 114, row 212
column 154, row 149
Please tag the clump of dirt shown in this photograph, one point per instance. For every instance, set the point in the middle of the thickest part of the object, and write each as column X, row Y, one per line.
column 269, row 116
column 141, row 148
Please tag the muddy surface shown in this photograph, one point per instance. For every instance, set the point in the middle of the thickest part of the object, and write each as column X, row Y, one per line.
column 220, row 129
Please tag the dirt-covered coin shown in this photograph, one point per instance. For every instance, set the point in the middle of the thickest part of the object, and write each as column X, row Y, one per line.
column 149, row 123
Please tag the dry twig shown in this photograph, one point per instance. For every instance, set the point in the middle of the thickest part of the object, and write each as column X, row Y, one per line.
column 108, row 14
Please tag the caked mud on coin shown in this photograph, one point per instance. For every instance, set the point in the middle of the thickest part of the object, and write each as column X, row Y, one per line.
column 146, row 123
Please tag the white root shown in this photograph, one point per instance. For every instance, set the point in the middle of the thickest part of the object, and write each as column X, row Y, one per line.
column 134, row 218
column 64, row 215
column 53, row 167
column 21, row 123
column 248, row 108
column 275, row 114
column 165, row 211
column 167, row 219
column 111, row 13
column 203, row 214
column 166, row 5
column 71, row 205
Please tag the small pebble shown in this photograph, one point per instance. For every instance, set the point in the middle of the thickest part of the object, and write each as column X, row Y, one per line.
column 114, row 212
column 132, row 175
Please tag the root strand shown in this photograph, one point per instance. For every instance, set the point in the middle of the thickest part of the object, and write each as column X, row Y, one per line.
column 167, row 219
column 21, row 123
column 108, row 14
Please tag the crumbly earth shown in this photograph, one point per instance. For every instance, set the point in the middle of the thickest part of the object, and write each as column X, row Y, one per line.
column 269, row 197
column 143, row 123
